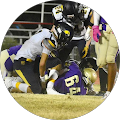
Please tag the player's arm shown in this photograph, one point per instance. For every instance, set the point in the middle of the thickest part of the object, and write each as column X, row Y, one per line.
column 42, row 64
column 88, row 35
column 96, row 31
column 96, row 18
column 89, row 20
column 85, row 50
column 50, row 89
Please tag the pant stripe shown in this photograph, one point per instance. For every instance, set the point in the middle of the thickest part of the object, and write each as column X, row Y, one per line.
column 22, row 76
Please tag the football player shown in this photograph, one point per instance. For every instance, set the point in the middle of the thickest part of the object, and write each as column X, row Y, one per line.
column 75, row 79
column 6, row 62
column 106, row 49
column 7, row 59
column 79, row 17
column 42, row 44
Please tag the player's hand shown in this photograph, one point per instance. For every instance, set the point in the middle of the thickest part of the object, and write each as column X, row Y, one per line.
column 42, row 78
column 85, row 51
column 96, row 33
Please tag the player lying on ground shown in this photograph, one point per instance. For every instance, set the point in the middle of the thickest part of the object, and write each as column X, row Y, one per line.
column 73, row 81
column 71, row 74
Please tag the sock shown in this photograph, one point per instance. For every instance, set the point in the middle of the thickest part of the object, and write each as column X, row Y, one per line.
column 21, row 86
column 103, row 79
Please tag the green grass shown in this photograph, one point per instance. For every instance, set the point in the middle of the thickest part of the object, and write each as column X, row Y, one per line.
column 56, row 106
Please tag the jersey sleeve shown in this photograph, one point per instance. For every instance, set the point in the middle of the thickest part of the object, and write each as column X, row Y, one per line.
column 57, row 12
column 86, row 12
column 46, row 34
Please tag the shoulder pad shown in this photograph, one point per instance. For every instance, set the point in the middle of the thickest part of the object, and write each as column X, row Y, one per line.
column 57, row 12
column 49, row 44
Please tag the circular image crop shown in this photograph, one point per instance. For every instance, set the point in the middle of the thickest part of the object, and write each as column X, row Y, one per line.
column 59, row 59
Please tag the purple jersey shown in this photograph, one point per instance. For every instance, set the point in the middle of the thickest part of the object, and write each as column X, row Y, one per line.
column 9, row 62
column 71, row 83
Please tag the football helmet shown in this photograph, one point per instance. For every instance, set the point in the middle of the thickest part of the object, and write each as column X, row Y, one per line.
column 72, row 11
column 88, row 62
column 88, row 68
column 63, row 33
column 90, row 75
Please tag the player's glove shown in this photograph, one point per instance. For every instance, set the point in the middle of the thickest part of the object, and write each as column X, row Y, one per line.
column 42, row 79
column 85, row 51
column 96, row 33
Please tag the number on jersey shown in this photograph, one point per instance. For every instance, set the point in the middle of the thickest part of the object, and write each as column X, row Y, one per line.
column 59, row 9
column 71, row 81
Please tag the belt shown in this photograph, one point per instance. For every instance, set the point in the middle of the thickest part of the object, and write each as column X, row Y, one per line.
column 28, row 60
column 25, row 59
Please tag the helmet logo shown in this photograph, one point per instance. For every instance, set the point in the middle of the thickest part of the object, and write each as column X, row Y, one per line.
column 67, row 32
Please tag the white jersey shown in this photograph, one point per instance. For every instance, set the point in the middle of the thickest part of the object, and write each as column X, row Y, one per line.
column 57, row 13
column 33, row 47
column 86, row 12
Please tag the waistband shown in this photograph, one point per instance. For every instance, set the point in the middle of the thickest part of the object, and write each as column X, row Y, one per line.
column 25, row 59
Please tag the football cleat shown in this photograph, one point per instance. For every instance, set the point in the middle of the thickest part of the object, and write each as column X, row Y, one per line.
column 8, row 83
column 106, row 94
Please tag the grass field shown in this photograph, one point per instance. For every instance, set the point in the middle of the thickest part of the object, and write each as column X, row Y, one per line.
column 56, row 106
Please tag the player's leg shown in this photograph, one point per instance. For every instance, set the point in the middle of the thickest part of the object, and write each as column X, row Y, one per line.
column 111, row 54
column 54, row 66
column 101, row 52
column 103, row 75
column 101, row 49
column 21, row 87
column 64, row 53
column 3, row 57
column 25, row 71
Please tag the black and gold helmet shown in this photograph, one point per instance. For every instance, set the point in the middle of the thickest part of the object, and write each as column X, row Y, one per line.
column 73, row 11
column 63, row 32
column 88, row 62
